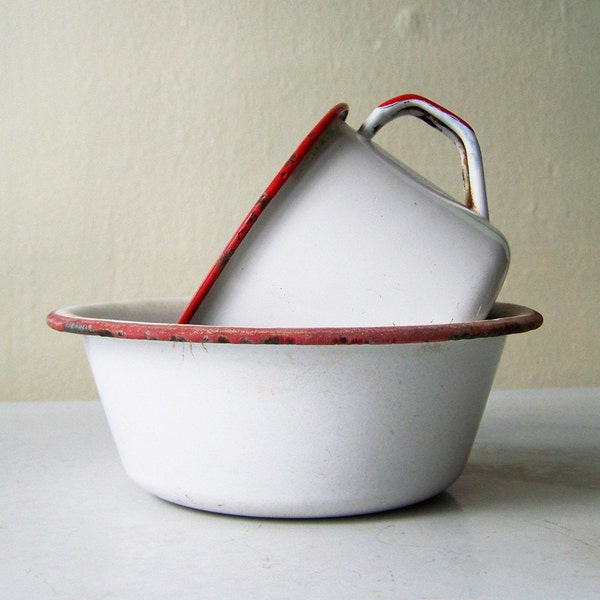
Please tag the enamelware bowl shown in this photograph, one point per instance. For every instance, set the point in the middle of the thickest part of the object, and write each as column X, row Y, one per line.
column 345, row 235
column 309, row 422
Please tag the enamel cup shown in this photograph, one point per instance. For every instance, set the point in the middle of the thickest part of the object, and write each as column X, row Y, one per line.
column 348, row 236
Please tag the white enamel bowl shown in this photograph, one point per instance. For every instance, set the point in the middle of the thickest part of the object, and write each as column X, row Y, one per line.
column 290, row 422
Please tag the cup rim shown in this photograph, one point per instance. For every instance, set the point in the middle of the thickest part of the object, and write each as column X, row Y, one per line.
column 339, row 112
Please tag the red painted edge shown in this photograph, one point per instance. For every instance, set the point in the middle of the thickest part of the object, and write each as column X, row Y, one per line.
column 505, row 319
column 338, row 111
column 409, row 97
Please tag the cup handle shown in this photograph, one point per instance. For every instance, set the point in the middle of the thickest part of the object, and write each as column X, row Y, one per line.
column 450, row 125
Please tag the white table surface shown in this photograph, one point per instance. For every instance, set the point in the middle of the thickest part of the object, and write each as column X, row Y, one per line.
column 523, row 521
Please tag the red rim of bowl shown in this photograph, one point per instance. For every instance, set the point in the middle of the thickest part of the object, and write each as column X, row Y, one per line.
column 504, row 319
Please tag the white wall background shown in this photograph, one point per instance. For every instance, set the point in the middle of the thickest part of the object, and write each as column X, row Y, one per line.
column 134, row 136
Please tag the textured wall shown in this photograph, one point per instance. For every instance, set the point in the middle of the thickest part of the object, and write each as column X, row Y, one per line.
column 136, row 135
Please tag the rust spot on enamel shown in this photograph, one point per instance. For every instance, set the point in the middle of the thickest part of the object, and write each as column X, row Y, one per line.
column 74, row 327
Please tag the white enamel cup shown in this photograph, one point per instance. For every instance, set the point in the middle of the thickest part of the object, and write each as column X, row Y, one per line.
column 345, row 235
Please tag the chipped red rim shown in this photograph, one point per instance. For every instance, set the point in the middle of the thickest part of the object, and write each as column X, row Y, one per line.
column 504, row 319
column 339, row 111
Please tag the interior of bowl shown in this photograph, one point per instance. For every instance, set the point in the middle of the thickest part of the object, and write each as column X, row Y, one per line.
column 156, row 320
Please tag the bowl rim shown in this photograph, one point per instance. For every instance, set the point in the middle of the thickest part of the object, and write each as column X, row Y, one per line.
column 504, row 319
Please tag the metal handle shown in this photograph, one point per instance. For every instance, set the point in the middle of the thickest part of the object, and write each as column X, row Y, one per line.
column 450, row 125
